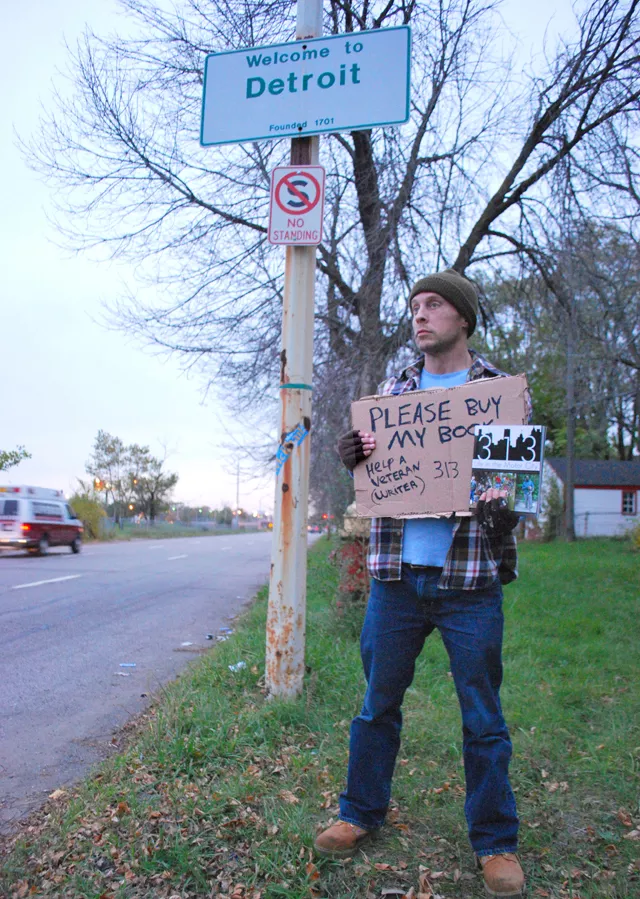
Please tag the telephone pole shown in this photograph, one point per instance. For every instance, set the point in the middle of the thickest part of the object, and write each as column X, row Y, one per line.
column 288, row 582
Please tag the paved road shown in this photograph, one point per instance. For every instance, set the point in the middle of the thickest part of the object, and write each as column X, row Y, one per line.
column 67, row 623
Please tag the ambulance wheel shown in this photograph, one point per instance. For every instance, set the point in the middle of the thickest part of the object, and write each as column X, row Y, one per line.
column 43, row 545
column 76, row 545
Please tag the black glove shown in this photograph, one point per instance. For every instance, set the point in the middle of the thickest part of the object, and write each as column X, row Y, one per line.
column 350, row 449
column 496, row 517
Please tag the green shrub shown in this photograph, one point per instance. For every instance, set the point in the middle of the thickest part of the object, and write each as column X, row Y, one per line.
column 90, row 512
column 634, row 536
column 553, row 510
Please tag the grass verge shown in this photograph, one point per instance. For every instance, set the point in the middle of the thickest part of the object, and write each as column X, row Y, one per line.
column 220, row 793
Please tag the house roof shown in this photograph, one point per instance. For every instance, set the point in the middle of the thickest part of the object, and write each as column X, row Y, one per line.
column 599, row 472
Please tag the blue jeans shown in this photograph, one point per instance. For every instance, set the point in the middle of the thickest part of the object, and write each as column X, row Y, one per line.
column 400, row 616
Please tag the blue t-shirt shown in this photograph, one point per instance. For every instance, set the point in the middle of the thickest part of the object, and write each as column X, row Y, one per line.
column 427, row 540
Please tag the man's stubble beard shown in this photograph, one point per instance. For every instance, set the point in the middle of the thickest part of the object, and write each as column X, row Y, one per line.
column 440, row 347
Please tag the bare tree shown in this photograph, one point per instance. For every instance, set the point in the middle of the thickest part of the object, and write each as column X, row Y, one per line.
column 132, row 178
column 581, row 276
column 607, row 268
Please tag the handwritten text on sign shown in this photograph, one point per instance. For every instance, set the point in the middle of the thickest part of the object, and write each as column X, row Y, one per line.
column 424, row 445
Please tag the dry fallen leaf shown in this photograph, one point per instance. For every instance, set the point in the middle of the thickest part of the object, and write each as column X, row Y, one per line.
column 289, row 797
column 632, row 835
column 312, row 871
column 624, row 817
column 425, row 886
column 329, row 798
column 57, row 794
column 563, row 786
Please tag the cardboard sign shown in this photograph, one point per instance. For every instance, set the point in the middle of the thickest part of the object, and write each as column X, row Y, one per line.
column 421, row 465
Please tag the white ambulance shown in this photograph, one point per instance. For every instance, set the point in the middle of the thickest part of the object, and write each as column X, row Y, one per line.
column 35, row 518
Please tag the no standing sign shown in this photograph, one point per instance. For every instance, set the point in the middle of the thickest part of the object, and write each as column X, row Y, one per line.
column 296, row 206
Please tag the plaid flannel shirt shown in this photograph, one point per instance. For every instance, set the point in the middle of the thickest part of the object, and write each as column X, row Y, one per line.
column 474, row 560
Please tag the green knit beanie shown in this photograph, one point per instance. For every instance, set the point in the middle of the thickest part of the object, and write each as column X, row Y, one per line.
column 455, row 288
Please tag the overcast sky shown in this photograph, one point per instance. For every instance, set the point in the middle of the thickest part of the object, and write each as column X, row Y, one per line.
column 62, row 375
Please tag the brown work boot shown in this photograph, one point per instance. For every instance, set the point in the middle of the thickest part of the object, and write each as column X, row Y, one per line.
column 340, row 840
column 502, row 874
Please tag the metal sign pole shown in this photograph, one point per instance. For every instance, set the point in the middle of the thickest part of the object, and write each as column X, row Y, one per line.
column 288, row 581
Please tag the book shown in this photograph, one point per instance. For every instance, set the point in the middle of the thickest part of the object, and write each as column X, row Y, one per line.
column 511, row 458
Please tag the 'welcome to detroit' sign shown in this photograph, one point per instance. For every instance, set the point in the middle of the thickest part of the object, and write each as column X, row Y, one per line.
column 345, row 82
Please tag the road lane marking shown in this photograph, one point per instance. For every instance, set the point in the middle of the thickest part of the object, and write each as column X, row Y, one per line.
column 53, row 580
column 173, row 558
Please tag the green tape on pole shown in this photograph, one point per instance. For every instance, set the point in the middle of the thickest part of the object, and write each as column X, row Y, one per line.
column 296, row 386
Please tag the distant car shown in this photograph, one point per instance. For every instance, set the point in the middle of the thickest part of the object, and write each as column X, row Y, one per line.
column 35, row 518
column 314, row 529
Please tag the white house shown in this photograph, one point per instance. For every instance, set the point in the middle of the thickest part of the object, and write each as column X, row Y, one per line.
column 607, row 494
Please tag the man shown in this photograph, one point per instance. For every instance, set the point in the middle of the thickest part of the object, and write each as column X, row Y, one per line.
column 528, row 488
column 443, row 573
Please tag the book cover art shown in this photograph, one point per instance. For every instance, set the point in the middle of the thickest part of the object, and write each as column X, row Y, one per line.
column 509, row 457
